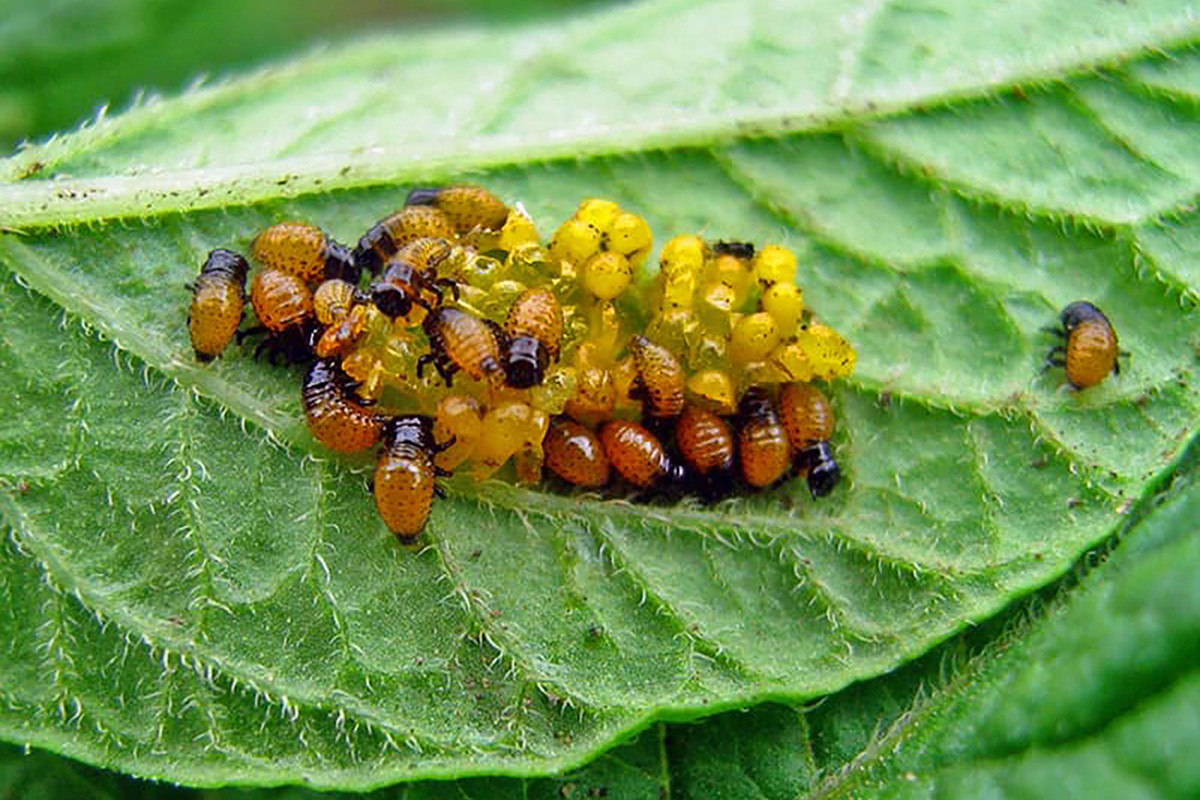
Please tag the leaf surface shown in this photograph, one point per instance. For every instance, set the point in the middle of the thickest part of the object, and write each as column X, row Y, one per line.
column 1096, row 682
column 64, row 60
column 1094, row 693
column 197, row 592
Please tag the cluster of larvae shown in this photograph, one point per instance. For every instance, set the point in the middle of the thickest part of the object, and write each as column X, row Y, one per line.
column 473, row 344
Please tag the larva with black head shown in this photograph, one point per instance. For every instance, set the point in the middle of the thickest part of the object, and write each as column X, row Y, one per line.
column 306, row 251
column 808, row 418
column 763, row 447
column 405, row 475
column 467, row 207
column 218, row 300
column 1090, row 351
column 706, row 443
column 385, row 238
column 283, row 304
column 533, row 330
column 462, row 341
column 409, row 275
column 639, row 457
column 336, row 418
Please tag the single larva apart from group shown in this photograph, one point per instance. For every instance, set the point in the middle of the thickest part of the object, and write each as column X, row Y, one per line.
column 1089, row 351
column 454, row 338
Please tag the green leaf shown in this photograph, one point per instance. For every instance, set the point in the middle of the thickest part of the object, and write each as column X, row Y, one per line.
column 1094, row 694
column 64, row 60
column 195, row 591
column 635, row 771
column 1045, row 692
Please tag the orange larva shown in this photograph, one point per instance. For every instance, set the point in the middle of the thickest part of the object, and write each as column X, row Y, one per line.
column 335, row 419
column 661, row 379
column 1091, row 350
column 762, row 441
column 533, row 331
column 409, row 273
column 305, row 251
column 218, row 297
column 575, row 454
column 425, row 253
column 467, row 207
column 394, row 231
column 806, row 415
column 281, row 300
column 284, row 306
column 809, row 421
column 638, row 455
column 707, row 446
column 339, row 338
column 405, row 476
column 333, row 300
column 458, row 340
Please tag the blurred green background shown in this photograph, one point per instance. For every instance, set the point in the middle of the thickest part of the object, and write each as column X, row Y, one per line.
column 62, row 60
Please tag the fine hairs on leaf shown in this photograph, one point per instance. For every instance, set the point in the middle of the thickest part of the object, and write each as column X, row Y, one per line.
column 197, row 593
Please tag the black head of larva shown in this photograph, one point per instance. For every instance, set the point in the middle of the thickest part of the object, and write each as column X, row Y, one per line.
column 743, row 250
column 823, row 470
column 295, row 345
column 678, row 476
column 398, row 288
column 525, row 362
column 423, row 197
column 218, row 297
column 756, row 404
column 226, row 262
column 366, row 258
column 1079, row 312
column 414, row 429
column 340, row 263
column 391, row 299
column 366, row 254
